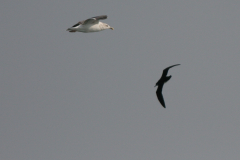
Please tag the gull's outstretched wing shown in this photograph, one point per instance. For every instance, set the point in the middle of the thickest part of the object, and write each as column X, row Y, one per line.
column 94, row 19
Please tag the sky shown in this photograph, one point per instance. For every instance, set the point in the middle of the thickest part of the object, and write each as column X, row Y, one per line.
column 87, row 96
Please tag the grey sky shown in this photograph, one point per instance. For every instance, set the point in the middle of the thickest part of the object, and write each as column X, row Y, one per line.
column 91, row 96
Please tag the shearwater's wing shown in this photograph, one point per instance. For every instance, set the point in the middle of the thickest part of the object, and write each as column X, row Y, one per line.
column 160, row 96
column 165, row 71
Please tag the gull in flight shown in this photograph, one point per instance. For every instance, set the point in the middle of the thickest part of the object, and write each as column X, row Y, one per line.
column 90, row 25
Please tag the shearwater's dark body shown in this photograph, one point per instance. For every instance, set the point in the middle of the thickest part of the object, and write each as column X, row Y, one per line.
column 161, row 82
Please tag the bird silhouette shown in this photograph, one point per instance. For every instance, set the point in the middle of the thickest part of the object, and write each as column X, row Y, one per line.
column 161, row 82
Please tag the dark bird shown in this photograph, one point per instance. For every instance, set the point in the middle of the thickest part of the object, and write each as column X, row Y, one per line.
column 161, row 82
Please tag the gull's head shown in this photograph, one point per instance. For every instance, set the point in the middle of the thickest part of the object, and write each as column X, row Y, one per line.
column 106, row 26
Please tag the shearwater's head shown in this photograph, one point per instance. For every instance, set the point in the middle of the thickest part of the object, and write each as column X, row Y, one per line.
column 158, row 83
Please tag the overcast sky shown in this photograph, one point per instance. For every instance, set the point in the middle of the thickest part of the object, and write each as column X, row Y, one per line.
column 91, row 96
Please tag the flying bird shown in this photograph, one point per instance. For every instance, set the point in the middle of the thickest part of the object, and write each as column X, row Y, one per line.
column 90, row 25
column 161, row 82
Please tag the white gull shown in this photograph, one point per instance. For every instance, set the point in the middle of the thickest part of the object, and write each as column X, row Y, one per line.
column 90, row 25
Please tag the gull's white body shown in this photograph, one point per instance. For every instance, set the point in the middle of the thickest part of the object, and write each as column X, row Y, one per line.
column 91, row 27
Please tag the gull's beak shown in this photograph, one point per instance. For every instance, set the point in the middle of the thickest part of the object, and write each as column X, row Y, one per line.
column 112, row 28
